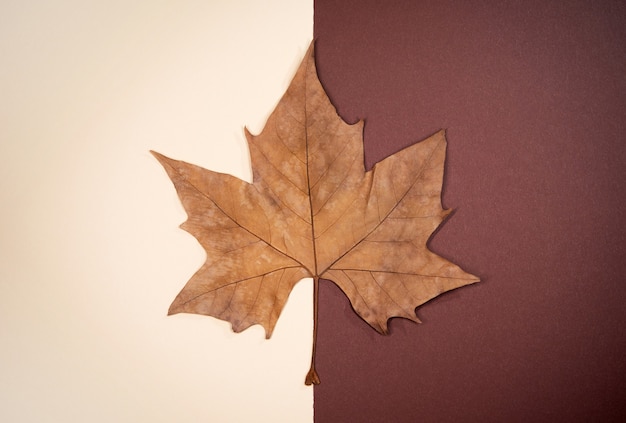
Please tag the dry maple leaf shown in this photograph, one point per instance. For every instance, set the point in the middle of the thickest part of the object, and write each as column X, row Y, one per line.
column 313, row 211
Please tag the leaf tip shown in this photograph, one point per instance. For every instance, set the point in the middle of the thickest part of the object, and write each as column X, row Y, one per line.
column 381, row 327
column 269, row 329
column 160, row 157
column 439, row 137
column 175, row 308
column 311, row 50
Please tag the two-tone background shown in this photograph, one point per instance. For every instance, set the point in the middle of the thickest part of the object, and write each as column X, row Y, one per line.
column 533, row 97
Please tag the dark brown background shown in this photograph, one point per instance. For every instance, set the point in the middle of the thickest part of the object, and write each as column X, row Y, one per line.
column 533, row 96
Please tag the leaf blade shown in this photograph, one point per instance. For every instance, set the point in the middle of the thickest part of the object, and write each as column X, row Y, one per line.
column 313, row 211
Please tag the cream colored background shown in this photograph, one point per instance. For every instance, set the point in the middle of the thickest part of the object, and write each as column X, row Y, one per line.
column 90, row 252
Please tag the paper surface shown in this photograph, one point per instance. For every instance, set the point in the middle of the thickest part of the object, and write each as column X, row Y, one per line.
column 90, row 252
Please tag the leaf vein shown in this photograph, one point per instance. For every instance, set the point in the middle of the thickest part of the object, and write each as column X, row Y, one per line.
column 209, row 291
column 417, row 177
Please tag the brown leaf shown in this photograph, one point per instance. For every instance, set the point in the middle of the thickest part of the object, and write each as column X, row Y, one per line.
column 313, row 211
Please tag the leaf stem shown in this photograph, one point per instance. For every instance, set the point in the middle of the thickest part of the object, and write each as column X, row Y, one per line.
column 312, row 378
